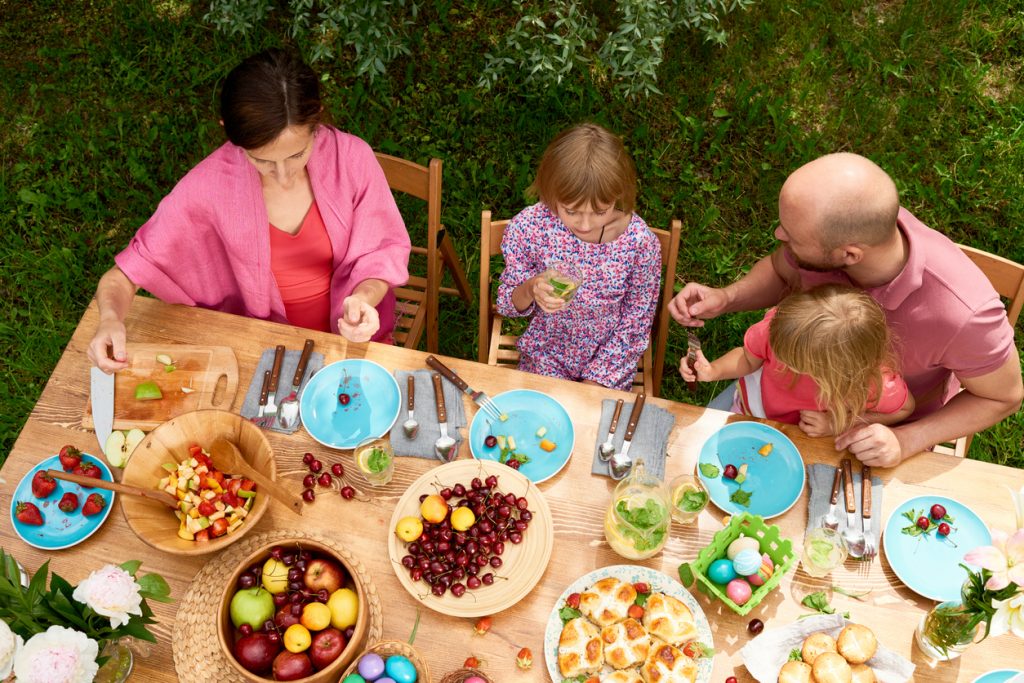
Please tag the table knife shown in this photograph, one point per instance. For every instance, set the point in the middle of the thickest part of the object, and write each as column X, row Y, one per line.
column 634, row 419
column 479, row 397
column 101, row 389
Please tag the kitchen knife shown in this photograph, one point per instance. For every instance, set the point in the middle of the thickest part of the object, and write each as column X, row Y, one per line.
column 101, row 390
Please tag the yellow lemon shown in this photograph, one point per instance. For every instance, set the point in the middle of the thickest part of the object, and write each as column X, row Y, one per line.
column 344, row 606
column 434, row 508
column 275, row 576
column 462, row 518
column 296, row 638
column 316, row 616
column 409, row 528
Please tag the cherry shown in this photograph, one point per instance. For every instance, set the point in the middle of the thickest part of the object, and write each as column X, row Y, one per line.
column 308, row 481
column 307, row 458
column 513, row 463
column 246, row 581
column 491, row 441
column 446, row 493
column 458, row 490
column 275, row 553
column 923, row 523
column 316, row 466
column 348, row 493
column 938, row 512
column 944, row 529
column 269, row 625
column 274, row 637
column 344, row 399
column 731, row 679
column 755, row 626
column 730, row 472
column 324, row 480
column 349, row 631
column 245, row 630
column 338, row 470
column 280, row 599
column 308, row 495
column 491, row 481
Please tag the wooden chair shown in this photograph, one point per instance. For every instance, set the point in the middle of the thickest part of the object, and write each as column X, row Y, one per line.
column 418, row 301
column 497, row 347
column 1007, row 278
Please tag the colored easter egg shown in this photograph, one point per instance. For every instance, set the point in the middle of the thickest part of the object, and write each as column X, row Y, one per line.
column 400, row 669
column 764, row 573
column 742, row 543
column 739, row 591
column 371, row 666
column 721, row 571
column 353, row 678
column 386, row 679
column 746, row 562
column 474, row 679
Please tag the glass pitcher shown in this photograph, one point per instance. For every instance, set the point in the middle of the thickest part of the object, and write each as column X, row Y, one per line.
column 638, row 518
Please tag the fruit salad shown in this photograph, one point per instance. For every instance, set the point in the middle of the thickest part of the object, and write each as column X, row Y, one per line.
column 211, row 504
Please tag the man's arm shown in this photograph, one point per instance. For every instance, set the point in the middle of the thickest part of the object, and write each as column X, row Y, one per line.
column 114, row 295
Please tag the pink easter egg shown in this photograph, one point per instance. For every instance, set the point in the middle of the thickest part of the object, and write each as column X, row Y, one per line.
column 474, row 679
column 739, row 591
column 764, row 572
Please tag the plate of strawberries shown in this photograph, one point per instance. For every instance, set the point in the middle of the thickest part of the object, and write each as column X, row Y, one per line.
column 51, row 514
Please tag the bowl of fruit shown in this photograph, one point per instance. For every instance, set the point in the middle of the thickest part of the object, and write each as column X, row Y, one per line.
column 293, row 610
column 215, row 508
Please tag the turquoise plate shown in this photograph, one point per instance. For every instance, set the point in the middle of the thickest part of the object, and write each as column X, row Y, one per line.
column 60, row 529
column 371, row 410
column 929, row 564
column 528, row 411
column 1000, row 676
column 774, row 481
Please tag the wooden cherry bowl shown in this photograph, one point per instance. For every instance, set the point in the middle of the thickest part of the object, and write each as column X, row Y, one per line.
column 169, row 443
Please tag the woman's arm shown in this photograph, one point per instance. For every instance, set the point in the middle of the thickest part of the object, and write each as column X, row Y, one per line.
column 114, row 294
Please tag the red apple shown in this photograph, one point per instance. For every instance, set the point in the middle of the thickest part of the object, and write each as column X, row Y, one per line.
column 285, row 618
column 256, row 652
column 323, row 573
column 327, row 645
column 291, row 666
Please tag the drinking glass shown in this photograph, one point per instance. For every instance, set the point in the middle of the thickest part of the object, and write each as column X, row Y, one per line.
column 376, row 461
column 566, row 278
column 689, row 497
column 824, row 550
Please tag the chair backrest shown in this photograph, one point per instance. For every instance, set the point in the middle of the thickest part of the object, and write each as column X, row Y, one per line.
column 1006, row 276
column 669, row 240
column 491, row 233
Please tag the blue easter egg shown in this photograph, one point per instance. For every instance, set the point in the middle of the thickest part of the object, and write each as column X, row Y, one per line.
column 371, row 666
column 747, row 562
column 721, row 571
column 400, row 669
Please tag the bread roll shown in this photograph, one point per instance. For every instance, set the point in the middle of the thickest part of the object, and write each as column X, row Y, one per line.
column 862, row 673
column 830, row 667
column 816, row 644
column 856, row 643
column 795, row 672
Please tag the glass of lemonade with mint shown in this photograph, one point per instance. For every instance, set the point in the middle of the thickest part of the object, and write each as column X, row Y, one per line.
column 376, row 461
column 565, row 278
column 824, row 550
column 689, row 497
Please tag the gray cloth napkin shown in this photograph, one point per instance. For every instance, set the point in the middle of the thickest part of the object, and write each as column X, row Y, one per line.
column 820, row 477
column 251, row 404
column 425, row 411
column 649, row 440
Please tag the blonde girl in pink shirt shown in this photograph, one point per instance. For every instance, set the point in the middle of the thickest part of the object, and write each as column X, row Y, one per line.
column 822, row 359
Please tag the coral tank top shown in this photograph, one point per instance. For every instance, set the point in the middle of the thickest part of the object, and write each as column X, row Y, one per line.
column 302, row 265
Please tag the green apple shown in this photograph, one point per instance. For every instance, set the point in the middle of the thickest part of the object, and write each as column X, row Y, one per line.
column 119, row 446
column 252, row 606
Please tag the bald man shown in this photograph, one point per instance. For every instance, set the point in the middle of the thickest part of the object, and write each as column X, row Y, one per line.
column 840, row 221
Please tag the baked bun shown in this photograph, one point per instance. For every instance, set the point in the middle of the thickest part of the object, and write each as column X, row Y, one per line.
column 830, row 667
column 816, row 644
column 579, row 648
column 667, row 664
column 862, row 673
column 669, row 619
column 607, row 601
column 856, row 643
column 623, row 676
column 795, row 672
column 625, row 644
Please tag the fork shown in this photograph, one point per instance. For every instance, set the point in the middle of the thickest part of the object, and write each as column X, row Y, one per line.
column 870, row 547
column 692, row 347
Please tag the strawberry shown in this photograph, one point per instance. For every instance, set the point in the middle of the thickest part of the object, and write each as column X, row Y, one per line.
column 641, row 588
column 635, row 611
column 573, row 600
column 471, row 663
column 218, row 528
column 483, row 625
column 70, row 457
column 87, row 469
column 207, row 508
column 28, row 513
column 94, row 505
column 43, row 484
column 693, row 650
column 68, row 502
column 203, row 535
column 524, row 660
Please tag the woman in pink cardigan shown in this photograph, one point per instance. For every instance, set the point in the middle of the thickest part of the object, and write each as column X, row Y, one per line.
column 291, row 220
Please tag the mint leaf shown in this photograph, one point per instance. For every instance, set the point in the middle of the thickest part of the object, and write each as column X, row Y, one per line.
column 693, row 501
column 818, row 602
column 741, row 497
column 567, row 614
column 708, row 470
column 795, row 655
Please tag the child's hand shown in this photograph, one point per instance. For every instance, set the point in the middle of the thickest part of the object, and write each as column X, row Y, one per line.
column 544, row 296
column 815, row 423
column 701, row 369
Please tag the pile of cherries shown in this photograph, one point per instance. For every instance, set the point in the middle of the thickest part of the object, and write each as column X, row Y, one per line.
column 324, row 479
column 458, row 561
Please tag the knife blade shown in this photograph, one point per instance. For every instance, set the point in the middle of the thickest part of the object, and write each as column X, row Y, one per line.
column 101, row 391
column 634, row 419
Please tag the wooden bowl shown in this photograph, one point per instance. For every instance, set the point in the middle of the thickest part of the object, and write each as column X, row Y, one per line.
column 386, row 648
column 156, row 524
column 226, row 630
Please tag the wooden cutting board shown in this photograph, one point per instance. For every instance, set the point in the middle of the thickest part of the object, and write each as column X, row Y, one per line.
column 198, row 367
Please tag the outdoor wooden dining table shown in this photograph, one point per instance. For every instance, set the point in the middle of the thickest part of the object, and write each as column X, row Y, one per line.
column 578, row 502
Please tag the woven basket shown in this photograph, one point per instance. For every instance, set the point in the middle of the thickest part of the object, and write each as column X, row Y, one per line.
column 386, row 648
column 459, row 675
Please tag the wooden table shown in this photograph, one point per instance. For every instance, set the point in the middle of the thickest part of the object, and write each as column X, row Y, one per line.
column 578, row 502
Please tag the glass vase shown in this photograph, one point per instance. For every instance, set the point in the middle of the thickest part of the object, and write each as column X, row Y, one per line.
column 947, row 631
column 118, row 666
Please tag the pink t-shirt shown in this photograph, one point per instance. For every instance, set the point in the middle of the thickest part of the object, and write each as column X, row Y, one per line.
column 783, row 400
column 943, row 312
column 301, row 264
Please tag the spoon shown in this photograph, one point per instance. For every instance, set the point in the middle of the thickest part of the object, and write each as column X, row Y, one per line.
column 411, row 427
column 289, row 414
column 621, row 463
column 854, row 538
column 608, row 448
column 225, row 457
column 154, row 495
column 830, row 521
column 444, row 447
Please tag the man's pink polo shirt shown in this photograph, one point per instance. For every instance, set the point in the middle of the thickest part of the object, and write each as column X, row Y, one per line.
column 943, row 312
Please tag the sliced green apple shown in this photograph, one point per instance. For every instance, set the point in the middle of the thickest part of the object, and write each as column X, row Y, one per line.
column 119, row 446
column 148, row 391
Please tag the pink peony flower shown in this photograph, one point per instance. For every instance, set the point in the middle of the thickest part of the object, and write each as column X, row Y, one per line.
column 1004, row 558
column 58, row 655
column 112, row 592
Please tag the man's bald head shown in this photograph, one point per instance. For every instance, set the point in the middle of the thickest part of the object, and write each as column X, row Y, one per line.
column 850, row 199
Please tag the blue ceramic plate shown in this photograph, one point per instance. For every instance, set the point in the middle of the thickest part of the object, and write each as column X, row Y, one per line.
column 1000, row 676
column 629, row 573
column 774, row 481
column 373, row 402
column 929, row 564
column 60, row 530
column 528, row 411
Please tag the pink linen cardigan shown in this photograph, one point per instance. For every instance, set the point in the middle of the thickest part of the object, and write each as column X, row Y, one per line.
column 208, row 243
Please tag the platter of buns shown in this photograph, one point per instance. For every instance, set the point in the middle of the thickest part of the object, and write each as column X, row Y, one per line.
column 597, row 634
column 824, row 659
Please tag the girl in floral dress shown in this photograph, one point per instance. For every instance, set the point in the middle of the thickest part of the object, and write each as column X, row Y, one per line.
column 586, row 184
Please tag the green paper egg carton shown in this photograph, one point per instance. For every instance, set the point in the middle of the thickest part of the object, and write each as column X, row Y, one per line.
column 780, row 550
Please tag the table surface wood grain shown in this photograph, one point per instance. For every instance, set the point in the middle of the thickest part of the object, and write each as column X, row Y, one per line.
column 578, row 501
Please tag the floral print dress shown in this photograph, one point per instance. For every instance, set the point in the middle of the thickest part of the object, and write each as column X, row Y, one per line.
column 602, row 332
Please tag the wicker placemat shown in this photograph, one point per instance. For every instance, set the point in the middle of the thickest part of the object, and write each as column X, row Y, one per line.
column 196, row 648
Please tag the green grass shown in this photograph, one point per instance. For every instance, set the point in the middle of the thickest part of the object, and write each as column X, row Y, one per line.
column 106, row 104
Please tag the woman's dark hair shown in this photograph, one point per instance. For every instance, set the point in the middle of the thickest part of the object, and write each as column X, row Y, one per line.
column 267, row 93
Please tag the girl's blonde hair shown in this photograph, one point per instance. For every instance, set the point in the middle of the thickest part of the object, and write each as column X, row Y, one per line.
column 586, row 163
column 836, row 335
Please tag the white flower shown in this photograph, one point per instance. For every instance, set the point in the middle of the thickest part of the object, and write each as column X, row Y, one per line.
column 1018, row 503
column 112, row 592
column 58, row 655
column 1009, row 616
column 10, row 643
